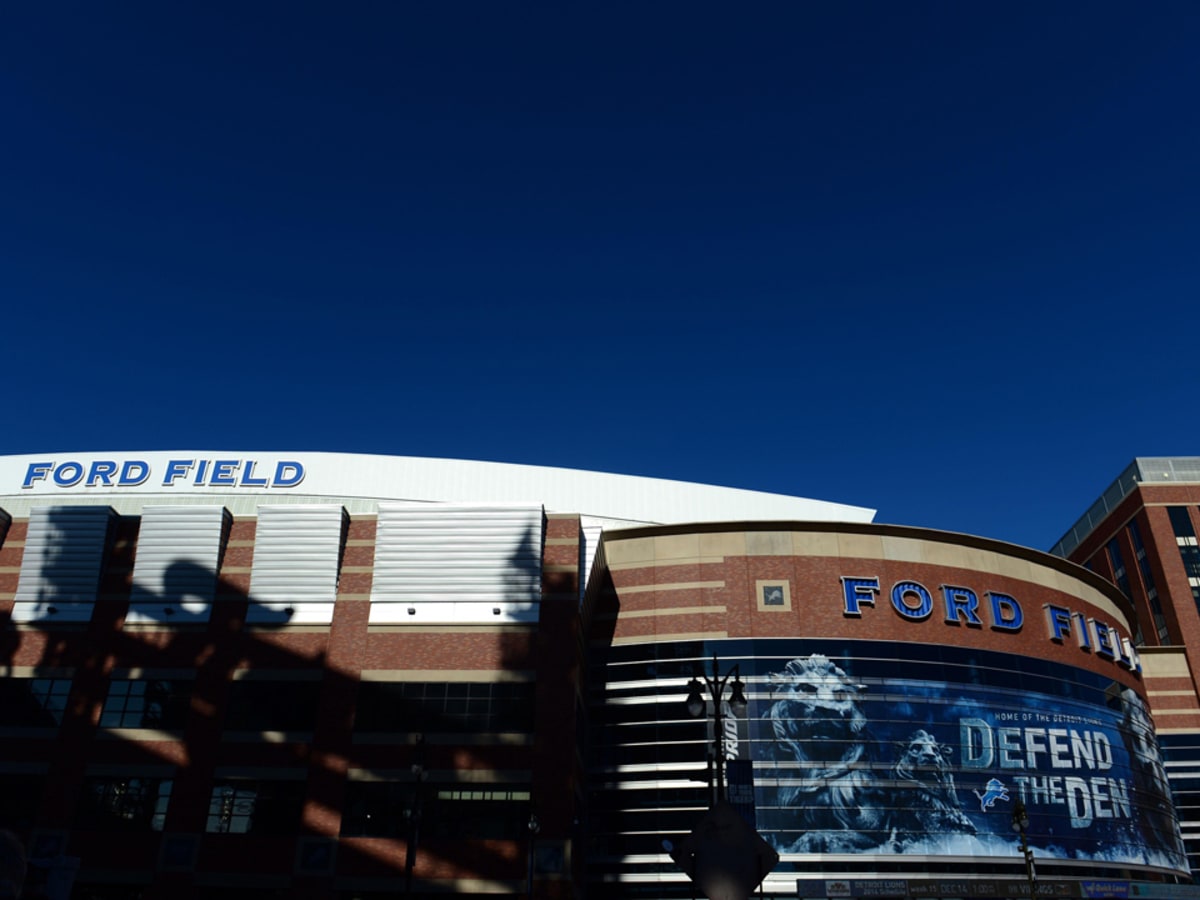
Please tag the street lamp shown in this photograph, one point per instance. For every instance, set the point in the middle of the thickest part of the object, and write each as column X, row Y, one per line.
column 1020, row 824
column 737, row 705
column 534, row 828
column 413, row 814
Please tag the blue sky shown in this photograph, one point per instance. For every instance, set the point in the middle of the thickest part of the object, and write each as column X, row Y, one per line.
column 939, row 259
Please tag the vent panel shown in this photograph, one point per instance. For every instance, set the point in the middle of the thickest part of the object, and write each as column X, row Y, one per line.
column 65, row 549
column 297, row 555
column 477, row 558
column 175, row 569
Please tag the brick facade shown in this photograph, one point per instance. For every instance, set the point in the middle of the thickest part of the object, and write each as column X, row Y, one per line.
column 184, row 859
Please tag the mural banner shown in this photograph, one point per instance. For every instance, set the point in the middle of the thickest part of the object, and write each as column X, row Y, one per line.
column 916, row 766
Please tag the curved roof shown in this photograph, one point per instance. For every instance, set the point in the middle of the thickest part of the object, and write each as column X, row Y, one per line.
column 128, row 480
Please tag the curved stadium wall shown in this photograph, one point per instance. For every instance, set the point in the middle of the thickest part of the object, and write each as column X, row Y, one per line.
column 906, row 688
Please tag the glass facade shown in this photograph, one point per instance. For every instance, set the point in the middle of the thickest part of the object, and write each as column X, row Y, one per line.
column 158, row 703
column 254, row 806
column 871, row 757
column 1156, row 608
column 452, row 811
column 256, row 706
column 456, row 707
column 1189, row 550
column 33, row 702
column 124, row 804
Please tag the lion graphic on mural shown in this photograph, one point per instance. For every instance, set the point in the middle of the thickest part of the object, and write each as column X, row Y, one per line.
column 846, row 798
column 925, row 800
column 819, row 724
column 1154, row 813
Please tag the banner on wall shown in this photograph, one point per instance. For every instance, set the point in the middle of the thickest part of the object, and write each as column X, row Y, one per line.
column 934, row 767
column 988, row 889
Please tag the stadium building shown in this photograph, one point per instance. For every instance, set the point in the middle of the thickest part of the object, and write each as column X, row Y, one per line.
column 332, row 675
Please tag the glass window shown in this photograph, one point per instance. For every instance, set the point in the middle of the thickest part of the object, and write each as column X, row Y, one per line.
column 20, row 800
column 1118, row 567
column 130, row 804
column 1181, row 522
column 250, row 806
column 445, row 707
column 147, row 704
column 378, row 808
column 458, row 811
column 272, row 705
column 1156, row 610
column 33, row 702
column 1189, row 552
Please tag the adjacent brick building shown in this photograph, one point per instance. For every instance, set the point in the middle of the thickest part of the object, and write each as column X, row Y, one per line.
column 1141, row 535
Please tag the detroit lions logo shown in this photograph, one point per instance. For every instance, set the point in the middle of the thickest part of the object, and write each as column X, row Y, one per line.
column 994, row 790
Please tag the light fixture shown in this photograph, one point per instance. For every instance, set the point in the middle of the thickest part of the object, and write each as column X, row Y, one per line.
column 737, row 699
column 1020, row 818
column 734, row 704
column 695, row 702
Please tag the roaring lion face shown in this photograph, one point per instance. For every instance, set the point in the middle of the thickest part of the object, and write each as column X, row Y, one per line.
column 922, row 758
column 927, row 801
column 923, row 762
column 817, row 717
column 820, row 725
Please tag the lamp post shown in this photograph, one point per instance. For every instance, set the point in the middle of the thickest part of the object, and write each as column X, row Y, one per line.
column 1020, row 824
column 696, row 709
column 413, row 814
column 534, row 828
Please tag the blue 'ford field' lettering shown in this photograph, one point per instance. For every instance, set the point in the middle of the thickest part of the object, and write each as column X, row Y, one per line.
column 195, row 472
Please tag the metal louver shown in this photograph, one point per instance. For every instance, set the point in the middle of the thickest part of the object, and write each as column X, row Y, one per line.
column 457, row 563
column 178, row 556
column 297, row 552
column 65, row 548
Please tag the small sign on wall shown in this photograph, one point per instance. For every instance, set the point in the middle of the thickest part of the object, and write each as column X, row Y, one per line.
column 774, row 595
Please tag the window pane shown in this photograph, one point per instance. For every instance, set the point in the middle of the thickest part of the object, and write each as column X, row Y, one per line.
column 249, row 806
column 127, row 804
column 33, row 702
column 453, row 707
column 158, row 704
column 272, row 706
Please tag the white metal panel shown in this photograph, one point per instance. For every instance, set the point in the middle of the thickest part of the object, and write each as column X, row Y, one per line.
column 50, row 611
column 453, row 613
column 486, row 556
column 358, row 480
column 175, row 570
column 297, row 553
column 64, row 555
column 592, row 532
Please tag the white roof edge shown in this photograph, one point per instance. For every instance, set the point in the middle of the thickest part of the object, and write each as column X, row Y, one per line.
column 632, row 499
